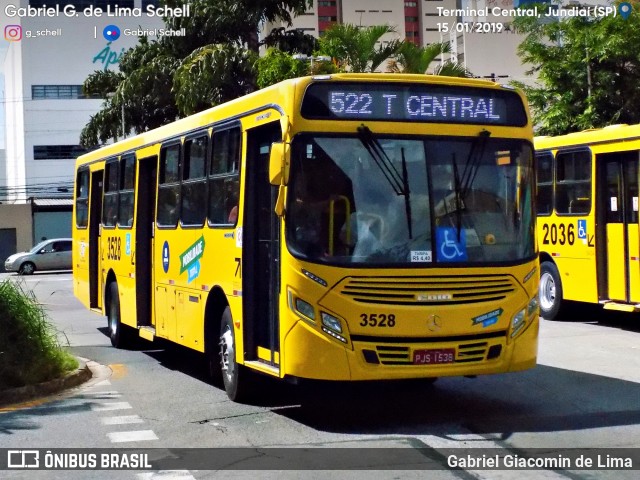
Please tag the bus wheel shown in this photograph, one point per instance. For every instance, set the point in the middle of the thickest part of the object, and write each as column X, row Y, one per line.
column 550, row 291
column 234, row 375
column 119, row 333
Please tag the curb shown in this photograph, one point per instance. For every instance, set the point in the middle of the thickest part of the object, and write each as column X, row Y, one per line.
column 29, row 392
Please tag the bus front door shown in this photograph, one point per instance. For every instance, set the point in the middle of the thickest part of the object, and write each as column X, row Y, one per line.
column 260, row 251
column 619, row 254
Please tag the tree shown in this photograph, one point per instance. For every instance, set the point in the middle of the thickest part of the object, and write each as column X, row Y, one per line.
column 212, row 75
column 161, row 80
column 234, row 21
column 276, row 66
column 358, row 49
column 588, row 71
column 291, row 41
column 411, row 58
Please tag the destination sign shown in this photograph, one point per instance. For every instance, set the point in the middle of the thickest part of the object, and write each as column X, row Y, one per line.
column 417, row 102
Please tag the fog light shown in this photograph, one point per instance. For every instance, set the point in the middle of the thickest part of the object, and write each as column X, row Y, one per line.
column 517, row 323
column 331, row 322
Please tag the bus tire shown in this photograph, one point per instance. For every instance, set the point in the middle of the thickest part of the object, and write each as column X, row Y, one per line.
column 234, row 375
column 119, row 334
column 550, row 291
column 213, row 359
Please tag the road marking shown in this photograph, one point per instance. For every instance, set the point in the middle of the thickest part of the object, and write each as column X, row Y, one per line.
column 166, row 475
column 134, row 436
column 42, row 279
column 122, row 420
column 118, row 370
column 107, row 395
column 101, row 383
column 105, row 406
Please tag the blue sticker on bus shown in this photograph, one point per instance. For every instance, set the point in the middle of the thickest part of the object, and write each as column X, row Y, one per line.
column 165, row 256
column 193, row 271
column 582, row 229
column 450, row 247
column 487, row 319
column 127, row 244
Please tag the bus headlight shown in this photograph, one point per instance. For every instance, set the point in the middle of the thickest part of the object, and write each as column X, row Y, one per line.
column 517, row 322
column 305, row 309
column 332, row 326
column 301, row 307
column 331, row 322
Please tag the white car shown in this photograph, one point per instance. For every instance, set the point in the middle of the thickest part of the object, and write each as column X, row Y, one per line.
column 53, row 254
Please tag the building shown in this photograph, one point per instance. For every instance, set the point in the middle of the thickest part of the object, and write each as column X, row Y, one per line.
column 47, row 60
column 45, row 109
column 424, row 22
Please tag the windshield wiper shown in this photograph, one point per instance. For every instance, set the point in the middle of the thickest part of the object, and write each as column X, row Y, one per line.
column 457, row 191
column 472, row 164
column 399, row 183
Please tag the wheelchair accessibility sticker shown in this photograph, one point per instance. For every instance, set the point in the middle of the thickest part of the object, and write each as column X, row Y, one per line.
column 449, row 248
column 582, row 229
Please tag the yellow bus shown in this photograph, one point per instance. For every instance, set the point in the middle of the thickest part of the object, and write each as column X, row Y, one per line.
column 587, row 203
column 344, row 227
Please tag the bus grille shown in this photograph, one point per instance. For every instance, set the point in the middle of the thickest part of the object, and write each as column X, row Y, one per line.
column 441, row 290
column 401, row 355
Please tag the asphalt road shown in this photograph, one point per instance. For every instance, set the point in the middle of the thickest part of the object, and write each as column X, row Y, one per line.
column 584, row 393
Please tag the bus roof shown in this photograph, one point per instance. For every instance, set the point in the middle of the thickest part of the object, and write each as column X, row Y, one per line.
column 274, row 95
column 612, row 133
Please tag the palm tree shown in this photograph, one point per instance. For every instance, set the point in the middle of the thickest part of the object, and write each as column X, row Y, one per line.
column 411, row 58
column 358, row 49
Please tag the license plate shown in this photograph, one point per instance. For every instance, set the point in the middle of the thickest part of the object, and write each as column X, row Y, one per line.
column 434, row 356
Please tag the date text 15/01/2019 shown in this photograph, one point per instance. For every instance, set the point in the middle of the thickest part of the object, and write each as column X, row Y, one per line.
column 471, row 27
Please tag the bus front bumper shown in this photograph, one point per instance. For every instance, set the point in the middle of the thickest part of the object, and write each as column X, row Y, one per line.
column 309, row 354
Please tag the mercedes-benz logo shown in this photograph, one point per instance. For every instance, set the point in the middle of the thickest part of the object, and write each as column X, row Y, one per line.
column 434, row 323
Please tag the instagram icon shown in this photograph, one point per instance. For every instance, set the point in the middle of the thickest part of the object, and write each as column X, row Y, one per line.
column 13, row 33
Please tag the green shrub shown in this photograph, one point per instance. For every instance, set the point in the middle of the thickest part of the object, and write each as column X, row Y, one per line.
column 29, row 348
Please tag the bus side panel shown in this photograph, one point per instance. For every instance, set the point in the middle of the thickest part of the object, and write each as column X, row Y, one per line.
column 579, row 279
column 634, row 263
column 616, row 261
column 161, row 311
column 116, row 257
column 81, row 266
column 189, row 315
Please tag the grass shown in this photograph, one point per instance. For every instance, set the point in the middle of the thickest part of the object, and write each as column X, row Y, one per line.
column 30, row 351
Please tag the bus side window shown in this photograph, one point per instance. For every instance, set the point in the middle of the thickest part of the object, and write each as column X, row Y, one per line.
column 194, row 185
column 82, row 199
column 224, row 177
column 544, row 174
column 169, row 187
column 110, row 203
column 573, row 182
column 126, row 190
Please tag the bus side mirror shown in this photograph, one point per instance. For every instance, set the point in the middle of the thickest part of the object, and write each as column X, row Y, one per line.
column 279, row 163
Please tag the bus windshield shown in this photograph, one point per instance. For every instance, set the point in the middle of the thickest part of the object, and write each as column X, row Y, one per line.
column 382, row 200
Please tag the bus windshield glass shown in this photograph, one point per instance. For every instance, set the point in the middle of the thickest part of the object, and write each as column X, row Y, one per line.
column 406, row 201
